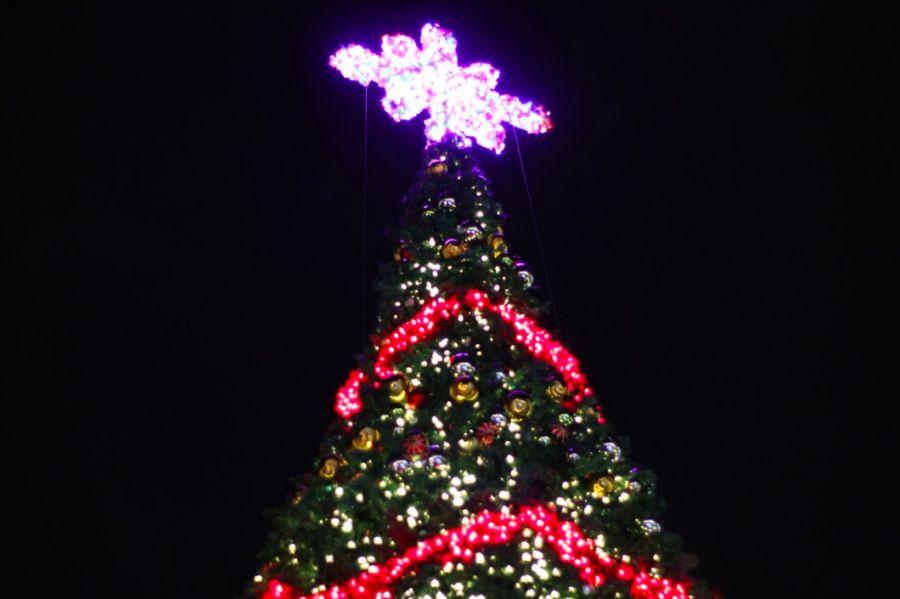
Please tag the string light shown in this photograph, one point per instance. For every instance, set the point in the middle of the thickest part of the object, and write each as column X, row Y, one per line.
column 538, row 341
column 424, row 325
column 463, row 545
column 348, row 401
column 462, row 102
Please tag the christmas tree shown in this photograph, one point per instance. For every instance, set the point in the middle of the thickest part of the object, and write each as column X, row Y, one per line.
column 470, row 457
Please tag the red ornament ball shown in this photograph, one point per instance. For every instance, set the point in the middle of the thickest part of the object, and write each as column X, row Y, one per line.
column 486, row 432
column 401, row 254
column 416, row 398
column 559, row 433
column 415, row 446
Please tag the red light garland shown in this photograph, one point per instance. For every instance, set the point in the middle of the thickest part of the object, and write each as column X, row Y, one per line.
column 348, row 402
column 419, row 328
column 538, row 341
column 494, row 528
column 423, row 325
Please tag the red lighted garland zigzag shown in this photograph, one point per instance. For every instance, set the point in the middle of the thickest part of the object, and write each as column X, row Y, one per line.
column 488, row 528
column 422, row 326
column 494, row 528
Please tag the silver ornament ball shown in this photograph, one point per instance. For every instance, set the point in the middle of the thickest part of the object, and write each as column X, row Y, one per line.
column 437, row 461
column 499, row 420
column 614, row 451
column 400, row 465
column 651, row 527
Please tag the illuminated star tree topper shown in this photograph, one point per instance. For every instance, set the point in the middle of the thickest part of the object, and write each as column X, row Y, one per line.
column 460, row 101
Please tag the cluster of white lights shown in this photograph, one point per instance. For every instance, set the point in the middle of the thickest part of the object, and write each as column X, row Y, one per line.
column 460, row 101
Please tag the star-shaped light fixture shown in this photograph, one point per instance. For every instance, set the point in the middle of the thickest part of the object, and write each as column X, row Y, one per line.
column 460, row 101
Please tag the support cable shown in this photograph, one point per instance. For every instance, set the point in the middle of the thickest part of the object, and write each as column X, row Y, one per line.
column 365, row 191
column 537, row 234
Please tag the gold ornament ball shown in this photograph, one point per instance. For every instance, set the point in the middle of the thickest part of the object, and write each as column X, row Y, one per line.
column 330, row 465
column 467, row 446
column 603, row 486
column 298, row 496
column 557, row 390
column 463, row 389
column 453, row 248
column 398, row 387
column 518, row 406
column 366, row 439
column 436, row 168
column 497, row 244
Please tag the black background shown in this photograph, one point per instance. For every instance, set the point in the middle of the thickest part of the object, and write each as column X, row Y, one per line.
column 186, row 282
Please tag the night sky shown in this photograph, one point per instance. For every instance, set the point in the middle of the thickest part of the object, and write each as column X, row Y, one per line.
column 185, row 282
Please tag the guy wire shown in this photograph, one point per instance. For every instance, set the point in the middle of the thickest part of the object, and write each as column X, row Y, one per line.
column 537, row 234
column 365, row 280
